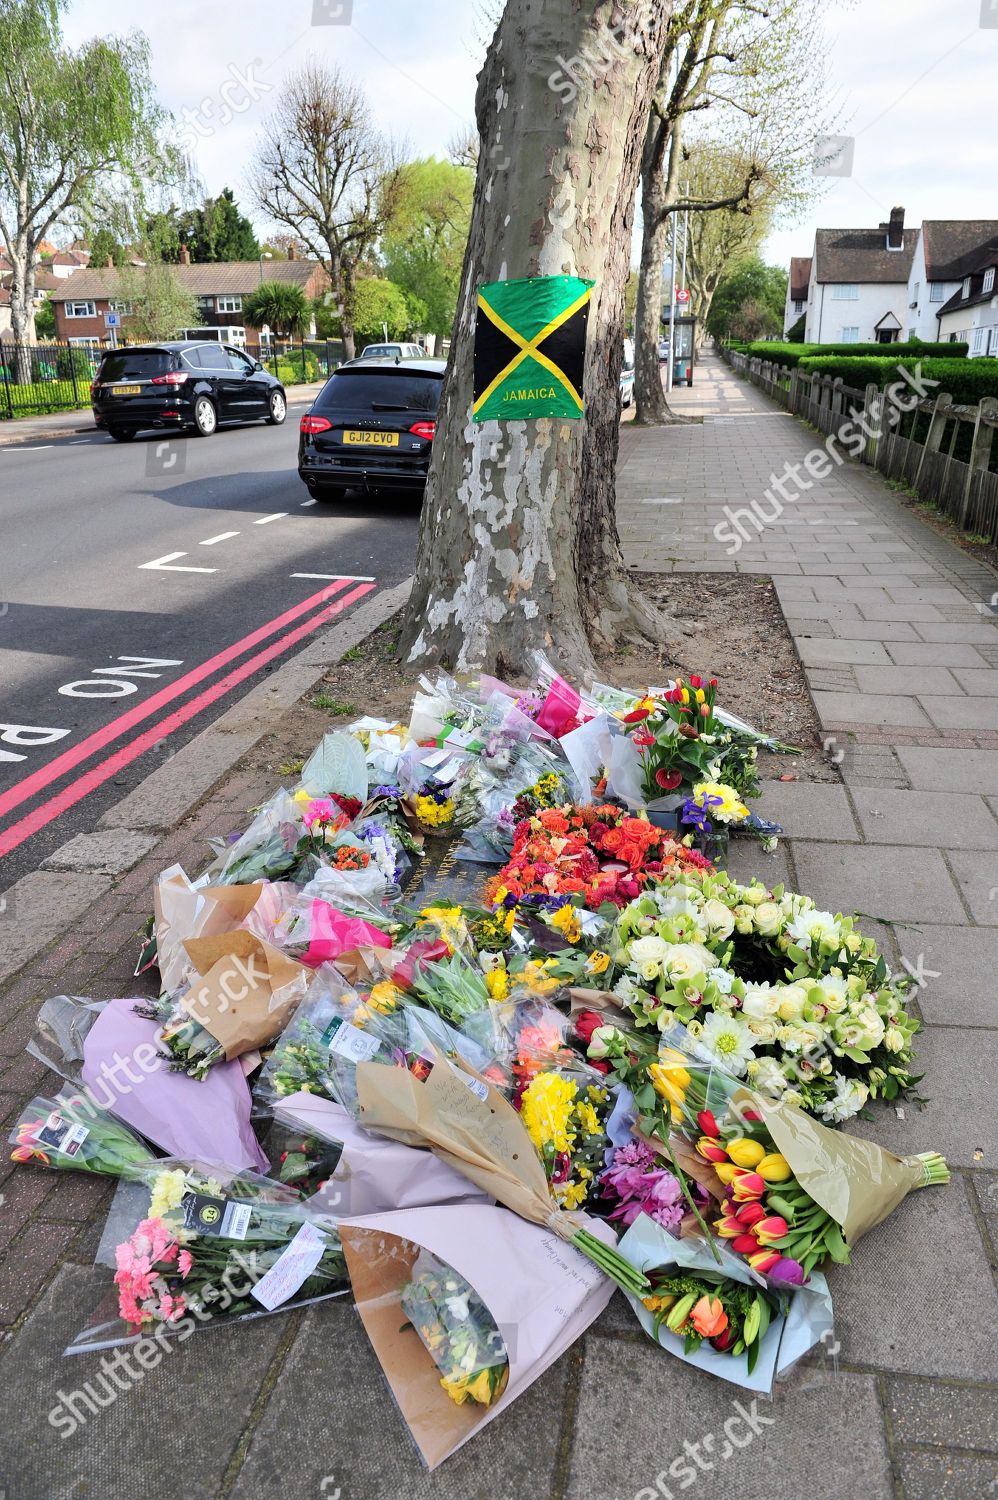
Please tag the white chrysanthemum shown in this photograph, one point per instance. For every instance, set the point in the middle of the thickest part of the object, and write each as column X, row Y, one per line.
column 727, row 1039
column 849, row 1098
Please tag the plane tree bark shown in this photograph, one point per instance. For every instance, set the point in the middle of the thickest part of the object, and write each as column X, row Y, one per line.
column 518, row 547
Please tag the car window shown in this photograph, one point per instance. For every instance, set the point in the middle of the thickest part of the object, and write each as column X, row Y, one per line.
column 136, row 364
column 192, row 357
column 380, row 351
column 354, row 390
column 211, row 357
column 238, row 361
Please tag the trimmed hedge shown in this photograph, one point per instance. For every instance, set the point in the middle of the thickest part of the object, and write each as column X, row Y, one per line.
column 792, row 354
column 966, row 380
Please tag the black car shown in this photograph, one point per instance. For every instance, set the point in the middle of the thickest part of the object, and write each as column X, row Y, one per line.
column 182, row 386
column 371, row 427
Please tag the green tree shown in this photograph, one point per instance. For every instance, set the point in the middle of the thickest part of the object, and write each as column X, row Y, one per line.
column 753, row 290
column 73, row 126
column 423, row 246
column 104, row 246
column 45, row 321
column 160, row 307
column 282, row 305
column 218, row 231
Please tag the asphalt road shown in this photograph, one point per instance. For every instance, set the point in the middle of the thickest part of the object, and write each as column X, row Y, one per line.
column 143, row 589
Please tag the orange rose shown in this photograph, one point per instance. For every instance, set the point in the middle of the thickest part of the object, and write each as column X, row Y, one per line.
column 708, row 1317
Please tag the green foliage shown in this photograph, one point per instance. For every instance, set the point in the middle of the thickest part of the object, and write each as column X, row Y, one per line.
column 161, row 307
column 74, row 360
column 966, row 380
column 282, row 305
column 376, row 302
column 294, row 368
column 335, row 707
column 751, row 294
column 45, row 322
column 104, row 245
column 214, row 231
column 423, row 246
column 791, row 354
column 795, row 333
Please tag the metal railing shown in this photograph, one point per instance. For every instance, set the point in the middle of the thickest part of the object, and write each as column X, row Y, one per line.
column 943, row 452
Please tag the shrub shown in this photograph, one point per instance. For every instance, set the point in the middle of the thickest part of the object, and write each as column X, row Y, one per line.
column 792, row 354
column 966, row 380
column 293, row 368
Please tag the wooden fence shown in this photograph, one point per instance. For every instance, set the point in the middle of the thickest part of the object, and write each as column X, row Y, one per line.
column 945, row 453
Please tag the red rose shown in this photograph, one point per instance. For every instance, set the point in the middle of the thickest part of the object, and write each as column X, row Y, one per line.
column 586, row 1023
column 668, row 780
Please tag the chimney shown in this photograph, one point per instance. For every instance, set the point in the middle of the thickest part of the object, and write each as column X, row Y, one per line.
column 291, row 250
column 185, row 256
column 110, row 262
column 895, row 229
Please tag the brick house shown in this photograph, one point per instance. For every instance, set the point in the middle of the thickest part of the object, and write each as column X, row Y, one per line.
column 81, row 302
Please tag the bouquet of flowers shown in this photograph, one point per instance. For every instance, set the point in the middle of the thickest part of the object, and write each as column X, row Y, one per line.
column 71, row 1132
column 457, row 1332
column 822, row 1021
column 634, row 1182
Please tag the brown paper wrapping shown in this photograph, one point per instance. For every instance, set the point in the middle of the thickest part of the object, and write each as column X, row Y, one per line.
column 248, row 990
column 484, row 1139
column 854, row 1180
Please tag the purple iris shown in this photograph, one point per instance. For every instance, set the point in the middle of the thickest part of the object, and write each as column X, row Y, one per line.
column 697, row 815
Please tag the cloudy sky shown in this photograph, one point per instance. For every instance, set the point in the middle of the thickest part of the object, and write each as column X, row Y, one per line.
column 915, row 83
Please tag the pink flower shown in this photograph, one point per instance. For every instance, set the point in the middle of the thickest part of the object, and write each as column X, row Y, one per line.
column 184, row 1262
column 319, row 810
column 172, row 1309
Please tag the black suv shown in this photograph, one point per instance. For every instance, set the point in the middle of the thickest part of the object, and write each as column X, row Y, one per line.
column 182, row 386
column 371, row 427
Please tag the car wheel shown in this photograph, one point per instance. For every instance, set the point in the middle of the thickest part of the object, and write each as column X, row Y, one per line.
column 205, row 418
column 278, row 408
column 121, row 434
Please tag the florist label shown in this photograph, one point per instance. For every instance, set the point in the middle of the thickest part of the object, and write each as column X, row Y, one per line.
column 350, row 1042
column 62, row 1135
column 291, row 1269
column 216, row 1216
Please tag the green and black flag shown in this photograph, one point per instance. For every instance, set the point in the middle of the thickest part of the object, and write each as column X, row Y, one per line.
column 530, row 348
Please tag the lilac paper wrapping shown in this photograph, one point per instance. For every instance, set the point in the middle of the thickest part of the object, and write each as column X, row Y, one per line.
column 542, row 1295
column 202, row 1121
column 374, row 1174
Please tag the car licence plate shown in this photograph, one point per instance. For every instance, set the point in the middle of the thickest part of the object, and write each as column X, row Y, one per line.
column 372, row 439
column 126, row 390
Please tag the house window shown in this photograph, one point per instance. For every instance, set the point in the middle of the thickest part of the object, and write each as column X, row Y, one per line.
column 937, row 291
column 989, row 279
column 978, row 343
column 845, row 291
column 81, row 309
column 798, row 305
column 850, row 336
column 914, row 292
column 124, row 308
column 230, row 304
column 965, row 288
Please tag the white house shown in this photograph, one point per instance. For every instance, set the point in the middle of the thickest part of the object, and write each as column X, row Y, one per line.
column 970, row 315
column 796, row 303
column 946, row 251
column 858, row 286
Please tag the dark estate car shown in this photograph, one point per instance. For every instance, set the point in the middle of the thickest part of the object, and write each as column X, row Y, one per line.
column 187, row 385
column 371, row 427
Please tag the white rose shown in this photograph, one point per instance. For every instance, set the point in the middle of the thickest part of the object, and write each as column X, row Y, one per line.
column 766, row 1031
column 894, row 1039
column 768, row 919
column 760, row 1003
column 719, row 920
column 792, row 1000
column 744, row 918
column 649, row 970
column 685, row 960
column 648, row 949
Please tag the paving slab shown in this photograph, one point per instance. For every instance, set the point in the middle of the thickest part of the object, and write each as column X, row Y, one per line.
column 39, row 908
column 961, row 713
column 958, row 1117
column 111, row 852
column 924, row 654
column 940, row 1413
column 195, row 1400
column 940, row 770
column 890, row 1309
column 822, row 653
column 747, row 861
column 977, row 876
column 815, row 1418
column 962, row 987
column 957, row 1476
column 871, row 708
column 910, row 680
column 981, row 682
column 959, row 820
column 808, row 809
column 361, row 1446
column 882, row 880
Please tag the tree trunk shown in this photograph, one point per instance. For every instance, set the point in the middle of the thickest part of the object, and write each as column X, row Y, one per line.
column 22, row 304
column 658, row 190
column 518, row 547
column 348, row 308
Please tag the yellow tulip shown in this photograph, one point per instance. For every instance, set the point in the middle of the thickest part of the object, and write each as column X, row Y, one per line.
column 745, row 1152
column 725, row 1170
column 664, row 1084
column 774, row 1168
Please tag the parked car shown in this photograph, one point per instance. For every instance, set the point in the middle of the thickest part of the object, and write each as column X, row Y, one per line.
column 391, row 351
column 182, row 386
column 371, row 427
column 627, row 375
column 663, row 350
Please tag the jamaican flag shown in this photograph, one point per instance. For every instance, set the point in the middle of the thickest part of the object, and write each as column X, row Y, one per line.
column 530, row 348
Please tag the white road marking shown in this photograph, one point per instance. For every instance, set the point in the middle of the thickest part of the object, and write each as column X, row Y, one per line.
column 166, row 564
column 332, row 577
column 223, row 536
column 34, row 448
column 662, row 502
column 277, row 516
column 308, row 502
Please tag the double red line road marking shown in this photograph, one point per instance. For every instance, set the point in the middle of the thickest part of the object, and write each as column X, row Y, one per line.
column 68, row 761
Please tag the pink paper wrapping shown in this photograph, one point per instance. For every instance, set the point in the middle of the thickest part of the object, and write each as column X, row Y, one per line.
column 207, row 1120
column 332, row 933
column 541, row 1293
column 562, row 703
